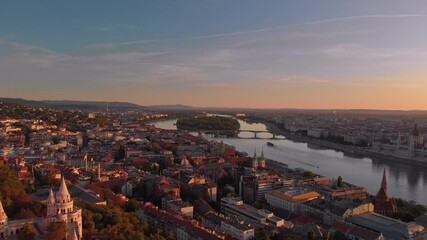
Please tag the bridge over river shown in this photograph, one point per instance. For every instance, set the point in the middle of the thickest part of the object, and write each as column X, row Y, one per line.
column 235, row 133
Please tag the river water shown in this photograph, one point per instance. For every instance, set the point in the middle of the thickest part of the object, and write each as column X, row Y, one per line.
column 404, row 181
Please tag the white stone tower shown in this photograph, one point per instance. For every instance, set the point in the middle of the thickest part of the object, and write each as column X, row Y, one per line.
column 51, row 205
column 3, row 222
column 60, row 207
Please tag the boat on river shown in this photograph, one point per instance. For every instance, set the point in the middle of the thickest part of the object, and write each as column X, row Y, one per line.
column 270, row 144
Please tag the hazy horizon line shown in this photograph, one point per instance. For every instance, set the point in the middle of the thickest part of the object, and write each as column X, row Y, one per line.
column 219, row 107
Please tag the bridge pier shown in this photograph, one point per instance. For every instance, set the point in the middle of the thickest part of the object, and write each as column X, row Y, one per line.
column 255, row 135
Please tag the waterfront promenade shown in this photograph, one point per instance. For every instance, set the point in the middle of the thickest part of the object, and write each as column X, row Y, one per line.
column 351, row 150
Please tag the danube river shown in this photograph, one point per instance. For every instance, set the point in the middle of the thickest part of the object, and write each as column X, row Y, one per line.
column 404, row 181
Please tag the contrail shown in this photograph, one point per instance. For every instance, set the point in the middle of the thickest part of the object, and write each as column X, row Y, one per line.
column 228, row 34
column 331, row 20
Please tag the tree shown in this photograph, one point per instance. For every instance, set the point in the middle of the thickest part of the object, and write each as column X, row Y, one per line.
column 262, row 204
column 325, row 236
column 224, row 180
column 418, row 210
column 25, row 213
column 56, row 231
column 13, row 195
column 339, row 181
column 146, row 228
column 132, row 205
column 339, row 236
column 88, row 223
column 311, row 235
column 157, row 235
column 116, row 223
column 308, row 174
column 170, row 235
column 263, row 235
column 27, row 232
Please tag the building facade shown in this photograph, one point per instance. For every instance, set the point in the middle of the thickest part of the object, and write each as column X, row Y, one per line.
column 60, row 208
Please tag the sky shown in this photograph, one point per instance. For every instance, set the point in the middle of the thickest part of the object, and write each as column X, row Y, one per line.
column 325, row 54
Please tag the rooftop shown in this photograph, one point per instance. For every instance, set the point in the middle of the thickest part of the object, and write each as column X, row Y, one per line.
column 295, row 196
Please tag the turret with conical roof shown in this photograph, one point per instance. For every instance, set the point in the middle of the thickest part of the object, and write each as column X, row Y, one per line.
column 51, row 198
column 3, row 215
column 63, row 196
column 51, row 204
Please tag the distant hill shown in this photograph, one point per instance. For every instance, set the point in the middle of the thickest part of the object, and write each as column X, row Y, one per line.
column 170, row 107
column 68, row 104
column 93, row 105
column 24, row 102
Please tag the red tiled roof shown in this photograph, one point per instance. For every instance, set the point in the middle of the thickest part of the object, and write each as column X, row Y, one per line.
column 303, row 220
column 362, row 233
column 194, row 229
column 342, row 227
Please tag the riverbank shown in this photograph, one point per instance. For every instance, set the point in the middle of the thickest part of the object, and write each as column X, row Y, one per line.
column 405, row 181
column 353, row 151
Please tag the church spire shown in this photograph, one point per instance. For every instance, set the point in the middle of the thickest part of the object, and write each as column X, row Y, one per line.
column 255, row 156
column 384, row 181
column 262, row 153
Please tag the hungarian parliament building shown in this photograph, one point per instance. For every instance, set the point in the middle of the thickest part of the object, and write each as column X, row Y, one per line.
column 411, row 146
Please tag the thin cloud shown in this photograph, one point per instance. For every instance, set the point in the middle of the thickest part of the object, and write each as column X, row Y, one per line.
column 341, row 19
column 114, row 27
column 120, row 44
column 230, row 34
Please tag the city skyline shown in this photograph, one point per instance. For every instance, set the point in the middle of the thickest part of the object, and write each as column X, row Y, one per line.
column 337, row 55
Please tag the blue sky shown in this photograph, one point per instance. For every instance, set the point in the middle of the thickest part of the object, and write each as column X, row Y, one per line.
column 299, row 54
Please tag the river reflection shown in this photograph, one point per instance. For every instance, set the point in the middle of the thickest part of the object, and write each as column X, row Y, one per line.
column 404, row 181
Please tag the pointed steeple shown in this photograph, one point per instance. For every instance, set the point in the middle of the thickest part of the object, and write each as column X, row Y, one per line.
column 255, row 156
column 262, row 153
column 63, row 195
column 3, row 216
column 382, row 203
column 51, row 198
column 384, row 182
